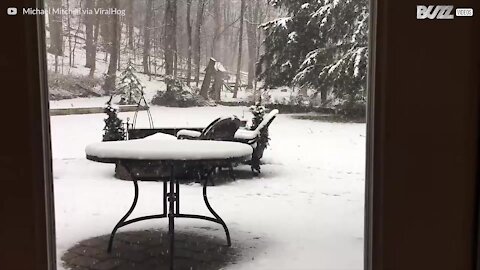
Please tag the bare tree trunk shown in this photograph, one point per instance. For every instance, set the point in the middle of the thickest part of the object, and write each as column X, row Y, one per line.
column 63, row 57
column 152, row 27
column 106, row 29
column 175, row 59
column 198, row 42
column 323, row 96
column 217, row 85
column 262, row 16
column 56, row 63
column 75, row 40
column 170, row 38
column 240, row 49
column 111, row 77
column 146, row 36
column 130, row 23
column 253, row 13
column 219, row 28
column 89, row 22
column 175, row 46
column 208, row 79
column 228, row 62
column 256, row 92
column 135, row 50
column 95, row 45
column 158, row 32
column 234, row 47
column 56, row 29
column 69, row 38
column 119, row 47
column 155, row 42
column 189, row 33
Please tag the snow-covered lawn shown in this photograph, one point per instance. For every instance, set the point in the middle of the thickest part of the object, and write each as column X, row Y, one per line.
column 305, row 211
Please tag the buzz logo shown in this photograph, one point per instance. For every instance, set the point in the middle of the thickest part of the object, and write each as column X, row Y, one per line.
column 434, row 12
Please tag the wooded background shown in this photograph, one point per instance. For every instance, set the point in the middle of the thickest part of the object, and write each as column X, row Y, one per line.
column 174, row 38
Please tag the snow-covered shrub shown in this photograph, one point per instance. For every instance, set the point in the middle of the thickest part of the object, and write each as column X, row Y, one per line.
column 352, row 107
column 67, row 86
column 266, row 96
column 195, row 89
column 300, row 100
column 179, row 95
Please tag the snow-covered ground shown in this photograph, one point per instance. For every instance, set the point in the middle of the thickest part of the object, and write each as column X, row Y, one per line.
column 305, row 211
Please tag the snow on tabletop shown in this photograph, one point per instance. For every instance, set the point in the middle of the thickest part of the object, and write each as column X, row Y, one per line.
column 160, row 136
column 168, row 150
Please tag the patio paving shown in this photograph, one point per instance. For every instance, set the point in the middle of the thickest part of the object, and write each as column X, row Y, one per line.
column 148, row 250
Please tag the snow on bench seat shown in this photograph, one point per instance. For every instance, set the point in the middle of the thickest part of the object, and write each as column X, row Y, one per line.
column 245, row 134
column 188, row 133
column 169, row 150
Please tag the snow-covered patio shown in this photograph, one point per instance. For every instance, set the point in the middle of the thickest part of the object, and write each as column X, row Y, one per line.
column 305, row 211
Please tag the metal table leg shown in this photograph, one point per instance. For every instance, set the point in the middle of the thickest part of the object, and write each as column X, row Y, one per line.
column 121, row 222
column 217, row 217
column 171, row 215
column 172, row 198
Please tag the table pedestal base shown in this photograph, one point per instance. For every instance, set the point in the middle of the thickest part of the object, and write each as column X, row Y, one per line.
column 171, row 197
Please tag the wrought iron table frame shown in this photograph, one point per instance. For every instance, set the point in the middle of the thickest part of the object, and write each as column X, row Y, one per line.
column 171, row 197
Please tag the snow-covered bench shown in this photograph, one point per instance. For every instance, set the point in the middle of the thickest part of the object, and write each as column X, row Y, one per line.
column 221, row 129
column 242, row 135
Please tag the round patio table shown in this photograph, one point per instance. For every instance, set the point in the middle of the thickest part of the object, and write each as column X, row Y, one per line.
column 172, row 154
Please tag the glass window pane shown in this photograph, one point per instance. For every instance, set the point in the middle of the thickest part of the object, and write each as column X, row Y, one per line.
column 230, row 132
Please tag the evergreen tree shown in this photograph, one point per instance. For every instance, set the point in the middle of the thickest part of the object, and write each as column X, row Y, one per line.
column 130, row 87
column 287, row 42
column 113, row 130
column 323, row 44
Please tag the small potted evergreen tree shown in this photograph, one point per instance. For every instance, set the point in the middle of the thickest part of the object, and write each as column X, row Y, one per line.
column 113, row 130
